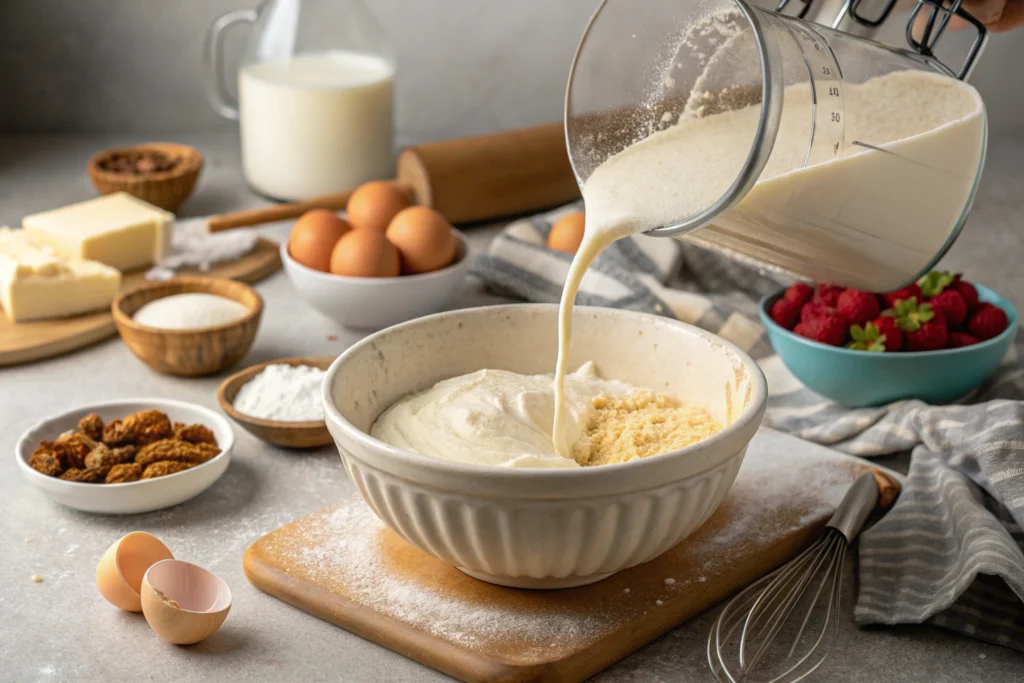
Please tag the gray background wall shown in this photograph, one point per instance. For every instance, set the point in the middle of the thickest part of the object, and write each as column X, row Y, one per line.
column 465, row 66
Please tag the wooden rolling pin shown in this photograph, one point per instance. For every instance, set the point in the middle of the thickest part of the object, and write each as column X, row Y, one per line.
column 470, row 179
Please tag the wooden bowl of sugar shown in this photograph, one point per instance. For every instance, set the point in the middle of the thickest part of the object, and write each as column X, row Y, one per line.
column 276, row 391
column 189, row 326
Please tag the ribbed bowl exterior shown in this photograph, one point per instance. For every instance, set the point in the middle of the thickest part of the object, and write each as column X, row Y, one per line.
column 535, row 527
column 543, row 543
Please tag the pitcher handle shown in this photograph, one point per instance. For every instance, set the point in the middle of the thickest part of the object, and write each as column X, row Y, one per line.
column 221, row 99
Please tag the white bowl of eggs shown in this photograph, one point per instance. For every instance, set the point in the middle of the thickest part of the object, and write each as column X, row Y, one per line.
column 385, row 263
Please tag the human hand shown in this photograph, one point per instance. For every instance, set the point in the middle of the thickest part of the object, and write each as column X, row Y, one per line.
column 996, row 15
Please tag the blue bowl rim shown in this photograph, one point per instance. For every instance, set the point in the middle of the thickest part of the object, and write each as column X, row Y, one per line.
column 985, row 294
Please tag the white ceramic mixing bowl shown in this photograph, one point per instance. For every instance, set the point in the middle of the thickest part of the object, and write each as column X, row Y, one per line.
column 543, row 528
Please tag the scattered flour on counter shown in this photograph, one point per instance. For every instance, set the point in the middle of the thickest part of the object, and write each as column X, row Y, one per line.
column 285, row 393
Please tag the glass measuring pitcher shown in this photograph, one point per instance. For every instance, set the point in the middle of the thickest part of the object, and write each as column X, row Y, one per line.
column 315, row 94
column 799, row 147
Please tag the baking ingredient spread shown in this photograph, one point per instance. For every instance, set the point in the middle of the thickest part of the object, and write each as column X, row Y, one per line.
column 190, row 311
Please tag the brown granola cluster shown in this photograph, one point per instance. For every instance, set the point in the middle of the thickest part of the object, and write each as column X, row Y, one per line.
column 143, row 445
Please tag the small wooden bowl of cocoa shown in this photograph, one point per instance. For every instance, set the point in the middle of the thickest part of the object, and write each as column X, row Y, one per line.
column 161, row 173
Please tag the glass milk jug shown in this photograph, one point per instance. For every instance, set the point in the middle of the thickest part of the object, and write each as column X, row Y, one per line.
column 810, row 150
column 315, row 96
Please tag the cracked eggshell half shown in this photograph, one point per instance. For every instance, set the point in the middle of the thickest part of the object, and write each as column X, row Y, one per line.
column 184, row 603
column 121, row 569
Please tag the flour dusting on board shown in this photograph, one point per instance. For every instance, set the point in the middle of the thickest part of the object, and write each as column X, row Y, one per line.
column 346, row 551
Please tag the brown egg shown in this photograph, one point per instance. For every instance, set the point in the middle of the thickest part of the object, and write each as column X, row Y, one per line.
column 373, row 205
column 567, row 233
column 365, row 253
column 313, row 238
column 424, row 238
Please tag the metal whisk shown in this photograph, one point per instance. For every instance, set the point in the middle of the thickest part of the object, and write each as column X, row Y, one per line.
column 771, row 645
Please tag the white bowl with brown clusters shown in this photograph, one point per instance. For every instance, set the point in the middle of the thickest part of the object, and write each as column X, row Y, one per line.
column 128, row 466
column 544, row 528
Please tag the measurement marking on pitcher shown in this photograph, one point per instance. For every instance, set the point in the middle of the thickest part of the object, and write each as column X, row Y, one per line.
column 829, row 122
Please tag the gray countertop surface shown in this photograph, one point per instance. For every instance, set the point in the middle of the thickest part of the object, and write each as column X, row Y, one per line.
column 61, row 629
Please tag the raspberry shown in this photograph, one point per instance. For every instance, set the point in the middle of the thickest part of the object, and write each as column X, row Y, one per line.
column 828, row 294
column 952, row 306
column 785, row 313
column 967, row 291
column 903, row 294
column 958, row 339
column 800, row 293
column 987, row 322
column 858, row 307
column 888, row 328
column 815, row 309
column 828, row 329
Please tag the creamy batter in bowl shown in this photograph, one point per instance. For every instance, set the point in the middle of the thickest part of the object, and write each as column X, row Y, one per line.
column 544, row 528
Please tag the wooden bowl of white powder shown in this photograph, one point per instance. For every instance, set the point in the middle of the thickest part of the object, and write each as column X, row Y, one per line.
column 279, row 401
column 189, row 326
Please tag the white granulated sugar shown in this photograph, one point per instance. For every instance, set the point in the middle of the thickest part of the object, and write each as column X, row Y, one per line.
column 190, row 311
column 625, row 590
column 194, row 246
column 284, row 393
column 669, row 581
column 659, row 603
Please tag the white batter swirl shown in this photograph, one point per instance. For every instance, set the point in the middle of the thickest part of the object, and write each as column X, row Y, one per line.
column 493, row 417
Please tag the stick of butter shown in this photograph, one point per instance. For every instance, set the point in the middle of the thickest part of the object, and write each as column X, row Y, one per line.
column 116, row 229
column 36, row 284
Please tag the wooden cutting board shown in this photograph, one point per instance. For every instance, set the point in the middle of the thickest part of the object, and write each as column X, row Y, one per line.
column 26, row 342
column 342, row 565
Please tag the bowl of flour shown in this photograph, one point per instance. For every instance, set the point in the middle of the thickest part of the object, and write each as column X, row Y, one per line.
column 279, row 401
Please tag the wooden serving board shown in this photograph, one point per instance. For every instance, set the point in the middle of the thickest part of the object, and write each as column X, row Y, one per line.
column 27, row 342
column 342, row 565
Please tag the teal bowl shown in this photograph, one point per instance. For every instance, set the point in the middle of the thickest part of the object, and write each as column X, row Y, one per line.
column 862, row 378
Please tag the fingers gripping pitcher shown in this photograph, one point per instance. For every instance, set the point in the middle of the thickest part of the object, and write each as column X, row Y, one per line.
column 799, row 147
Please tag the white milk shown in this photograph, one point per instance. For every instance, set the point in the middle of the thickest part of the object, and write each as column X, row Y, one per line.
column 879, row 212
column 315, row 124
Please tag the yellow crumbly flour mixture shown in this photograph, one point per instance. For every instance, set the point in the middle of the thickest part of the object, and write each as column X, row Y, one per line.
column 641, row 424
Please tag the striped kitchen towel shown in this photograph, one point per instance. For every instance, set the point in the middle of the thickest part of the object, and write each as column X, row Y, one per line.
column 951, row 552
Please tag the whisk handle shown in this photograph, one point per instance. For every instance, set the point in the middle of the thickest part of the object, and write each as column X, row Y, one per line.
column 856, row 506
